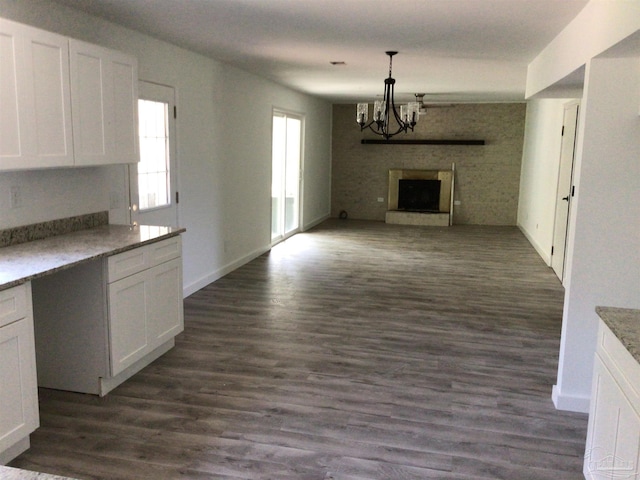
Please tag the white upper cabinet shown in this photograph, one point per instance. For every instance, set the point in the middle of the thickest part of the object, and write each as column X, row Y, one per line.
column 104, row 97
column 125, row 100
column 35, row 106
column 64, row 102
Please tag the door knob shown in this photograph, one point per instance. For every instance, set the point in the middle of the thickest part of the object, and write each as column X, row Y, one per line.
column 566, row 198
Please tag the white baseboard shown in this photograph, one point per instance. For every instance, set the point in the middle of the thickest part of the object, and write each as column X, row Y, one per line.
column 541, row 251
column 316, row 222
column 570, row 403
column 13, row 451
column 202, row 282
column 221, row 272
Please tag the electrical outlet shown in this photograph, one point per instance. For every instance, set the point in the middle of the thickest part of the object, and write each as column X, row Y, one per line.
column 380, row 199
column 16, row 197
column 457, row 202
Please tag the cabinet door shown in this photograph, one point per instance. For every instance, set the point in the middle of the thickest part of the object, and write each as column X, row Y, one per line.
column 128, row 313
column 104, row 100
column 125, row 97
column 613, row 438
column 35, row 106
column 18, row 392
column 166, row 317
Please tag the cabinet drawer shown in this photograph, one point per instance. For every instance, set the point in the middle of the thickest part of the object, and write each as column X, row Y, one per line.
column 127, row 263
column 142, row 258
column 13, row 304
column 165, row 250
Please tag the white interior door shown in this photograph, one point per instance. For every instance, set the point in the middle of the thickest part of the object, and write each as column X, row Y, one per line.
column 564, row 193
column 153, row 181
column 285, row 175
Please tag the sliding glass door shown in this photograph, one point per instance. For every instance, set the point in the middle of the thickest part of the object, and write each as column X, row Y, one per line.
column 285, row 175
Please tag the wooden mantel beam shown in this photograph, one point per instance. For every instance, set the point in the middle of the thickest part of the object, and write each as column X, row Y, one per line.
column 379, row 141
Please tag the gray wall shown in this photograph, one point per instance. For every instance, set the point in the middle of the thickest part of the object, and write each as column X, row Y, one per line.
column 487, row 177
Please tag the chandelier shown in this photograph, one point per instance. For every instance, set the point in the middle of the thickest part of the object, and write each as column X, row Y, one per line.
column 385, row 110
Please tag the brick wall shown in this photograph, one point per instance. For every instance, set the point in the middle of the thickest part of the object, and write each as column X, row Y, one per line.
column 487, row 177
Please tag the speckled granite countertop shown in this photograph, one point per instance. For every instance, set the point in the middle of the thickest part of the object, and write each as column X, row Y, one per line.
column 8, row 473
column 625, row 325
column 27, row 261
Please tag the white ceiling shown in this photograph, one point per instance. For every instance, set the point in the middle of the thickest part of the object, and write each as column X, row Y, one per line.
column 453, row 50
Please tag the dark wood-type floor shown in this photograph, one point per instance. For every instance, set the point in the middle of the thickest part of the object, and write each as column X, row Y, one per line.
column 358, row 350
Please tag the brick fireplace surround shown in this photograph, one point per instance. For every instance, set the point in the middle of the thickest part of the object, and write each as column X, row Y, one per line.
column 442, row 218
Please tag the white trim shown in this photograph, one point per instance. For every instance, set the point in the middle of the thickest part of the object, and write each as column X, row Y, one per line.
column 230, row 267
column 570, row 403
column 316, row 222
column 541, row 251
column 15, row 450
column 221, row 272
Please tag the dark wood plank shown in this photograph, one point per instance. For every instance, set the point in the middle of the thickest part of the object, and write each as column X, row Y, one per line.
column 357, row 350
column 418, row 141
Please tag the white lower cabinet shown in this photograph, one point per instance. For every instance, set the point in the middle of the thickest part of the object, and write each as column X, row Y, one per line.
column 613, row 437
column 166, row 308
column 89, row 328
column 18, row 387
column 128, row 317
column 145, row 311
column 99, row 323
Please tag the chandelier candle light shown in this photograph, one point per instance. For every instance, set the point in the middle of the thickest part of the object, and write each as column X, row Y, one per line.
column 384, row 109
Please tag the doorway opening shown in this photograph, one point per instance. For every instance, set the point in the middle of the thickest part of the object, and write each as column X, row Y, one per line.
column 286, row 175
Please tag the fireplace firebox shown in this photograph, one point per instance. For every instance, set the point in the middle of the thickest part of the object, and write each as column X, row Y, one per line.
column 419, row 195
